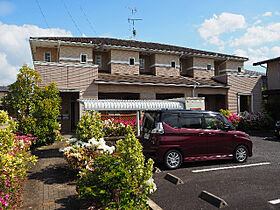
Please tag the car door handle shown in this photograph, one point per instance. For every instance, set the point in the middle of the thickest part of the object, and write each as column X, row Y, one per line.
column 201, row 134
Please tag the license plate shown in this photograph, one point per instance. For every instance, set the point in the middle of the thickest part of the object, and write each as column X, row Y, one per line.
column 146, row 136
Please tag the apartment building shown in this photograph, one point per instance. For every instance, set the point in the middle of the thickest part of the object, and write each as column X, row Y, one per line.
column 105, row 68
column 271, row 94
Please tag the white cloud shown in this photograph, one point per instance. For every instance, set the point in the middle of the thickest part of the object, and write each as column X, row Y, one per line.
column 275, row 51
column 15, row 50
column 277, row 13
column 266, row 14
column 257, row 22
column 6, row 8
column 258, row 35
column 211, row 29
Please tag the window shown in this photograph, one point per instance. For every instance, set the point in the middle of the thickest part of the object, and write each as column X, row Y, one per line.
column 131, row 61
column 47, row 57
column 173, row 64
column 214, row 123
column 98, row 60
column 83, row 58
column 245, row 103
column 239, row 68
column 170, row 119
column 141, row 63
column 209, row 67
column 190, row 122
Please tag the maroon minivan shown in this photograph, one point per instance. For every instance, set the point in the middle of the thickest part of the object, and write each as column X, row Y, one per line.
column 176, row 136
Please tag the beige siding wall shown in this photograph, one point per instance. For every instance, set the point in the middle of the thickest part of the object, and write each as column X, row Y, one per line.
column 75, row 52
column 146, row 92
column 234, row 65
column 70, row 77
column 200, row 67
column 40, row 54
column 124, row 69
column 124, row 56
column 247, row 85
column 166, row 70
column 186, row 63
column 105, row 59
column 273, row 75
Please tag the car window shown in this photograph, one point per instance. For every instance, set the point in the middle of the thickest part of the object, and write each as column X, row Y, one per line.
column 170, row 119
column 214, row 123
column 191, row 122
column 149, row 121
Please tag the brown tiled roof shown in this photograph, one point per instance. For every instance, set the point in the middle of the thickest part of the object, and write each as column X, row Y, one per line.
column 153, row 80
column 136, row 44
column 254, row 73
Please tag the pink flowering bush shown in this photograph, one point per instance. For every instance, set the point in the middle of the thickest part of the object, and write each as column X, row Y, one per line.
column 234, row 119
column 14, row 161
column 255, row 121
column 113, row 127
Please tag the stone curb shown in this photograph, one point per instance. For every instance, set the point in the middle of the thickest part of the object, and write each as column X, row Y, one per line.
column 174, row 179
column 213, row 199
column 153, row 205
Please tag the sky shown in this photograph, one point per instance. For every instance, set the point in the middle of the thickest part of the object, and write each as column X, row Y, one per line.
column 249, row 28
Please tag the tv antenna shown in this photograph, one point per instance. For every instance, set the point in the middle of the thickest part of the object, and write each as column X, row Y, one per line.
column 132, row 21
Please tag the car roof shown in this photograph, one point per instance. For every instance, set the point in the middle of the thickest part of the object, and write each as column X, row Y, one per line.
column 188, row 111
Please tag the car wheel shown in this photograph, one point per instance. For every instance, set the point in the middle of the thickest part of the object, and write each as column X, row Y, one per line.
column 173, row 159
column 241, row 154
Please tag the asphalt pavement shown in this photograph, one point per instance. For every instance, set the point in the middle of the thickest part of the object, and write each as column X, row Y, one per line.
column 255, row 185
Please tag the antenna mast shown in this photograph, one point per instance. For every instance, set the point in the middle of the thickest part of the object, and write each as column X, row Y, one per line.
column 132, row 21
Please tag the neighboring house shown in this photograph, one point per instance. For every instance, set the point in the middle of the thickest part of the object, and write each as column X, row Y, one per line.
column 3, row 91
column 104, row 68
column 272, row 92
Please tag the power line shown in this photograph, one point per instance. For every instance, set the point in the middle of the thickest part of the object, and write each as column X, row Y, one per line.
column 44, row 17
column 90, row 24
column 71, row 18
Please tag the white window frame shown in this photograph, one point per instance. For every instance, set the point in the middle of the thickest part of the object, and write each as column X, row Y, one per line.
column 245, row 94
column 81, row 58
column 45, row 56
column 95, row 60
column 207, row 67
column 133, row 61
column 174, row 65
column 141, row 60
column 240, row 69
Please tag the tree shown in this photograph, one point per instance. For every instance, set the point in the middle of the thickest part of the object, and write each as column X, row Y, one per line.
column 36, row 109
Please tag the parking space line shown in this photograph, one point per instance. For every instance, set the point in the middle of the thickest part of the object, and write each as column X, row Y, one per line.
column 230, row 167
column 276, row 201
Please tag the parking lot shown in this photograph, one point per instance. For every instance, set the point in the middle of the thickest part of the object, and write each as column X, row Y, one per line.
column 254, row 185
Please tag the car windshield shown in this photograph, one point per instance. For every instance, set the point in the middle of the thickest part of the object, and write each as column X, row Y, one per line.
column 227, row 122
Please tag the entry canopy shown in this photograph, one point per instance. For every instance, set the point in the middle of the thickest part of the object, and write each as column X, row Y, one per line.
column 130, row 105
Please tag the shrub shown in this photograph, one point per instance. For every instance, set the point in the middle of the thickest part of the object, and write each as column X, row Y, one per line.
column 36, row 109
column 226, row 113
column 255, row 121
column 232, row 118
column 90, row 126
column 14, row 161
column 113, row 127
column 120, row 180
